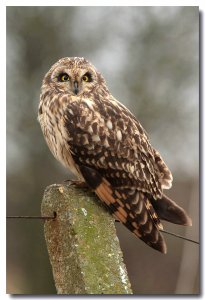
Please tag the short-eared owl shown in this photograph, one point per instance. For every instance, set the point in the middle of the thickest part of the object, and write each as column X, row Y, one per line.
column 105, row 146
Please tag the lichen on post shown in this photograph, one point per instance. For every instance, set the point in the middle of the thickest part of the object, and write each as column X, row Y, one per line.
column 83, row 247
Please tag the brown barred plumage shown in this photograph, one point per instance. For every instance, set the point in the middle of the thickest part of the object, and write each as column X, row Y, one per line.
column 103, row 144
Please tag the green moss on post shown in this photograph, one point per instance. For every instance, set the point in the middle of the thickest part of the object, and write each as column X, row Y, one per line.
column 82, row 244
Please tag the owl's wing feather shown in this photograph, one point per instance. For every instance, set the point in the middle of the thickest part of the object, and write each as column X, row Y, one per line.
column 111, row 134
column 165, row 176
column 131, row 210
column 168, row 210
column 110, row 146
column 107, row 156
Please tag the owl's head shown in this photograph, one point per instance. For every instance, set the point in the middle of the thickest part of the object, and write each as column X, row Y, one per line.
column 74, row 76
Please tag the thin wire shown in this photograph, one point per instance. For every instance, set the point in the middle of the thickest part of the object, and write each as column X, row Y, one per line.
column 179, row 236
column 174, row 234
column 54, row 216
column 32, row 217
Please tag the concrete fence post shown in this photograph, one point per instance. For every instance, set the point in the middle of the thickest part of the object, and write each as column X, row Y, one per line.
column 83, row 248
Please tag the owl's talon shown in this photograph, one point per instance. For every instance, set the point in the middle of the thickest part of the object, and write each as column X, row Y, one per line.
column 77, row 183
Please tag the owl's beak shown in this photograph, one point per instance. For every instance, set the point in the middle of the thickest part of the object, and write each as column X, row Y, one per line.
column 76, row 89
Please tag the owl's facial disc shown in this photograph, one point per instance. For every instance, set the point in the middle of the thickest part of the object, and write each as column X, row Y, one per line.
column 73, row 80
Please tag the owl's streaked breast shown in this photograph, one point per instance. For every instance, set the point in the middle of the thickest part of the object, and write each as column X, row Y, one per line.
column 56, row 136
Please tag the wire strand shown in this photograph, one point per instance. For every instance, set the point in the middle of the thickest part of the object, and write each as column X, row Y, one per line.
column 179, row 236
column 32, row 217
column 54, row 217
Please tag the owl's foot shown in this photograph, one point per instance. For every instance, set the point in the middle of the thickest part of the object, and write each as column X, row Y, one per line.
column 77, row 183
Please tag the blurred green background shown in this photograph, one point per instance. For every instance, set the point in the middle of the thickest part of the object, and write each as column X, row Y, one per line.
column 149, row 58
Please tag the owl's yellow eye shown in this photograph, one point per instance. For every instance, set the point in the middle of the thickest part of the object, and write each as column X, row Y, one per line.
column 87, row 77
column 63, row 77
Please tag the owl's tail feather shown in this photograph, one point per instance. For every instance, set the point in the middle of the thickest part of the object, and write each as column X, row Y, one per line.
column 130, row 207
column 168, row 210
